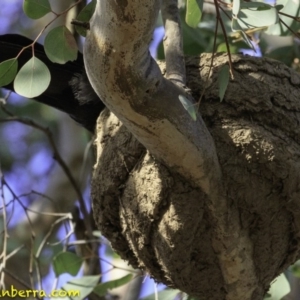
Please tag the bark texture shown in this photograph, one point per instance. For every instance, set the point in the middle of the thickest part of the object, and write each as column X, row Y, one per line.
column 165, row 224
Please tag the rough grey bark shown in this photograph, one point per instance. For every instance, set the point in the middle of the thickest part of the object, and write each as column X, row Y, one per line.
column 166, row 224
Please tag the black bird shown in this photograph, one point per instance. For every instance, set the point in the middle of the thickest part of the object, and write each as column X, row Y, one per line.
column 69, row 91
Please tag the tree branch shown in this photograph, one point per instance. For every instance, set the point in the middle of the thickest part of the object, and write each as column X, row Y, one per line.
column 130, row 83
column 173, row 42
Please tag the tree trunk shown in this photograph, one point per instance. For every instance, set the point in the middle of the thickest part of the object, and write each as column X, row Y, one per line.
column 169, row 225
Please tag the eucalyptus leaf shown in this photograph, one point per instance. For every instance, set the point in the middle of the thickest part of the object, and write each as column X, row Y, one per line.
column 82, row 286
column 223, row 80
column 8, row 71
column 257, row 15
column 189, row 106
column 60, row 45
column 36, row 9
column 67, row 262
column 236, row 7
column 85, row 16
column 102, row 288
column 194, row 9
column 279, row 288
column 33, row 78
column 291, row 8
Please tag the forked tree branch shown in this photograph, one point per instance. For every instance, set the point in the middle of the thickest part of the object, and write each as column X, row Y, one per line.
column 131, row 85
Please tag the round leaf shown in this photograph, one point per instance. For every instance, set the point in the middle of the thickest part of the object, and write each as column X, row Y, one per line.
column 60, row 45
column 33, row 78
column 36, row 9
column 85, row 16
column 291, row 8
column 256, row 15
column 236, row 7
column 67, row 262
column 8, row 71
column 194, row 10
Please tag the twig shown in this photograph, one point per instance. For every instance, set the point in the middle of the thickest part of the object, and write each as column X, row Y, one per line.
column 173, row 48
column 225, row 37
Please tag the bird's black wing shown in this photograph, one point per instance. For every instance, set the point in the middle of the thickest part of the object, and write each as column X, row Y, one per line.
column 69, row 89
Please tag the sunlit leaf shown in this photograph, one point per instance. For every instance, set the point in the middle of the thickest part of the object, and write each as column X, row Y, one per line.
column 8, row 71
column 236, row 7
column 189, row 106
column 83, row 286
column 33, row 78
column 60, row 45
column 223, row 79
column 36, row 9
column 291, row 8
column 102, row 288
column 194, row 10
column 279, row 288
column 85, row 16
column 256, row 14
column 67, row 262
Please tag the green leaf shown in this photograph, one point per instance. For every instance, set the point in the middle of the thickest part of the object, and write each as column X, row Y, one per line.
column 60, row 45
column 279, row 288
column 8, row 71
column 290, row 7
column 194, row 10
column 36, row 9
column 33, row 78
column 83, row 286
column 167, row 294
column 223, row 79
column 67, row 262
column 236, row 7
column 85, row 16
column 279, row 7
column 102, row 288
column 256, row 15
column 189, row 106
